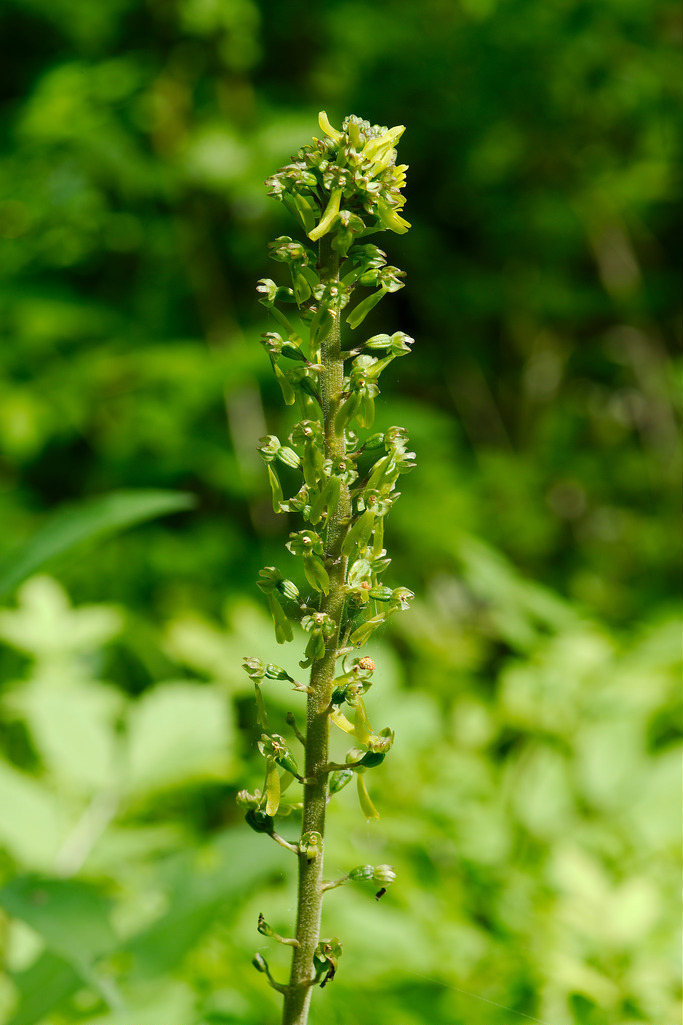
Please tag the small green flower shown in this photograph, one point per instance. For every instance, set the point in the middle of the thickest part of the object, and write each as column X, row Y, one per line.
column 311, row 844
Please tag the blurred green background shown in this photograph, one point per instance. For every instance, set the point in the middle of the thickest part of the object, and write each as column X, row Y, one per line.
column 530, row 804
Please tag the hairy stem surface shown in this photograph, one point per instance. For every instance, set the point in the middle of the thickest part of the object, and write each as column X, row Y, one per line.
column 310, row 897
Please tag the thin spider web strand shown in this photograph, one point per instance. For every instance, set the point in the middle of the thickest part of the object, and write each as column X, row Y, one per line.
column 475, row 996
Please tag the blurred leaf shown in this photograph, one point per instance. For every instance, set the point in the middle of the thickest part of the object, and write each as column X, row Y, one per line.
column 151, row 1002
column 32, row 823
column 46, row 626
column 43, row 987
column 73, row 729
column 87, row 521
column 178, row 732
column 232, row 865
column 72, row 918
column 540, row 791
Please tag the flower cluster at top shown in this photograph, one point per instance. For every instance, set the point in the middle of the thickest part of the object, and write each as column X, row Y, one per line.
column 348, row 180
column 332, row 471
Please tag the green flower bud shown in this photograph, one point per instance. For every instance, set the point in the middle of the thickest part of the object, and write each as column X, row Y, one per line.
column 339, row 779
column 291, row 351
column 259, row 821
column 375, row 441
column 378, row 342
column 372, row 758
column 273, row 672
column 362, row 873
column 289, row 457
column 289, row 590
column 260, row 964
column 264, row 928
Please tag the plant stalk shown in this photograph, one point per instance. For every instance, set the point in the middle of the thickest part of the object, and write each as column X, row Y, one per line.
column 310, row 895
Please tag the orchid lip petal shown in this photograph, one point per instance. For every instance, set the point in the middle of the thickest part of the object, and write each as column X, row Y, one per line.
column 327, row 128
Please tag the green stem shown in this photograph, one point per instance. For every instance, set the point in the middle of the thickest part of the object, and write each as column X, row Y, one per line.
column 310, row 897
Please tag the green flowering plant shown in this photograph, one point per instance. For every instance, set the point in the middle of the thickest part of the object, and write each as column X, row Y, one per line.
column 342, row 188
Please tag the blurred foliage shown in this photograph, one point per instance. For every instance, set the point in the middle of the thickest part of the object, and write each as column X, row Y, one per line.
column 527, row 805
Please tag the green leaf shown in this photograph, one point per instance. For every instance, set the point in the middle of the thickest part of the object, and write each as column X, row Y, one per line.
column 42, row 987
column 31, row 824
column 178, row 732
column 73, row 728
column 71, row 917
column 205, row 878
column 95, row 518
column 46, row 627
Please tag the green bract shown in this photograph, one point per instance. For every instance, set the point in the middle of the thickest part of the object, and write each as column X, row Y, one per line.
column 341, row 189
